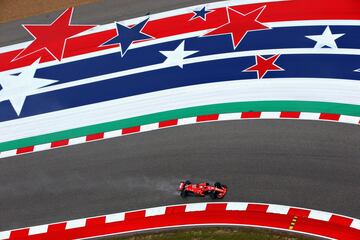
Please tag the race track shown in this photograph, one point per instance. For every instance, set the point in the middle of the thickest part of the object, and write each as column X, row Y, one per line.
column 299, row 163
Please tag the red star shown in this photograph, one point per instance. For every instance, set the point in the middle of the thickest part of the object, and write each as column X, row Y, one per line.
column 240, row 24
column 263, row 65
column 52, row 37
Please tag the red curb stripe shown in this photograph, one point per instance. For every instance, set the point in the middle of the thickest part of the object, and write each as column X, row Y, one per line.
column 95, row 136
column 257, row 207
column 134, row 215
column 299, row 212
column 168, row 123
column 60, row 143
column 210, row 117
column 340, row 220
column 25, row 150
column 135, row 129
column 289, row 114
column 329, row 116
column 250, row 115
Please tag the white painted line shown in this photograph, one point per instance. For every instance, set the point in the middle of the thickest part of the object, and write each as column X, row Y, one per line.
column 8, row 153
column 112, row 134
column 149, row 127
column 236, row 206
column 77, row 140
column 186, row 121
column 5, row 235
column 229, row 116
column 270, row 115
column 309, row 116
column 195, row 207
column 320, row 215
column 279, row 209
column 355, row 224
column 349, row 119
column 116, row 217
column 42, row 147
column 76, row 223
column 155, row 211
column 38, row 229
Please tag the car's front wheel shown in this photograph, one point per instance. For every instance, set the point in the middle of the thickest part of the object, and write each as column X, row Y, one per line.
column 184, row 193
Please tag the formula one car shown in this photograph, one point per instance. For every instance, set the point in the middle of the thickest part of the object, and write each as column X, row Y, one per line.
column 216, row 191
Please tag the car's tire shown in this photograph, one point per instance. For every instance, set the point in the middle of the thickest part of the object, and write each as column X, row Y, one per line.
column 213, row 195
column 184, row 193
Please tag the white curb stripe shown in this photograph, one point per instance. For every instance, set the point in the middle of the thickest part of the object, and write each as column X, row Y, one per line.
column 233, row 206
column 320, row 215
column 38, row 229
column 279, row 209
column 116, row 217
column 195, row 207
column 155, row 211
column 76, row 223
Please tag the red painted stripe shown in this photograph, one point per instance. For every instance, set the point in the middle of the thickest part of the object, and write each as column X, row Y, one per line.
column 134, row 215
column 340, row 220
column 329, row 116
column 95, row 136
column 299, row 212
column 25, row 150
column 250, row 114
column 289, row 114
column 168, row 123
column 60, row 143
column 130, row 130
column 204, row 118
column 275, row 11
column 257, row 207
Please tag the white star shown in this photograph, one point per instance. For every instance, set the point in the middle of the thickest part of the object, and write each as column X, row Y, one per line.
column 357, row 70
column 327, row 38
column 17, row 88
column 177, row 56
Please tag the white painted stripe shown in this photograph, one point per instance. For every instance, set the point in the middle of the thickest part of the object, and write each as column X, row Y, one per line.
column 42, row 147
column 236, row 206
column 355, row 224
column 270, row 115
column 149, row 127
column 279, row 209
column 349, row 119
column 195, row 207
column 116, row 217
column 112, row 134
column 38, row 229
column 229, row 116
column 296, row 89
column 5, row 235
column 8, row 153
column 155, row 211
column 76, row 223
column 309, row 116
column 77, row 140
column 320, row 215
column 186, row 121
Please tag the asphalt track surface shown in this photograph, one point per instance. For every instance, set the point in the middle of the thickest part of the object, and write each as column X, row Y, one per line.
column 299, row 163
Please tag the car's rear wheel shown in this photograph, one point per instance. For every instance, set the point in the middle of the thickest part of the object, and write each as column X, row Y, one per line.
column 184, row 193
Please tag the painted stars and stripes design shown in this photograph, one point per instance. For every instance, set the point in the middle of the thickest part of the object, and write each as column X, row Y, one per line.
column 81, row 65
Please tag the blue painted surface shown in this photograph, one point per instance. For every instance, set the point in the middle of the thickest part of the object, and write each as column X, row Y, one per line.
column 307, row 65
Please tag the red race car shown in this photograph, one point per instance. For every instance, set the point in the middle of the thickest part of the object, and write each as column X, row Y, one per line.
column 216, row 191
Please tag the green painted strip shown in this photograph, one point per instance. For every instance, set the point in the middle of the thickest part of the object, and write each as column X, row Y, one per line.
column 257, row 106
